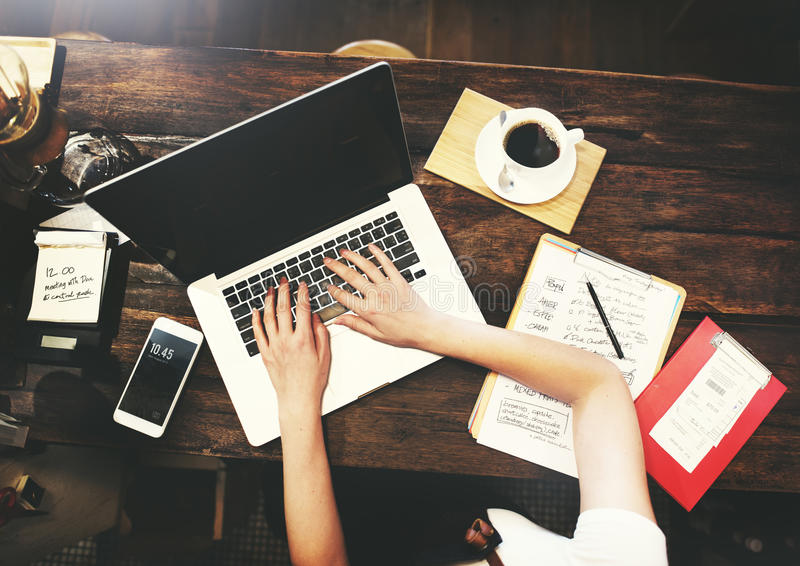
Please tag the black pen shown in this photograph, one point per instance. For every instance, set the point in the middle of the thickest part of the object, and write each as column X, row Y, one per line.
column 610, row 332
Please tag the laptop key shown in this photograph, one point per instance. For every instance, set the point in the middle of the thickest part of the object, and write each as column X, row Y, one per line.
column 420, row 273
column 292, row 261
column 279, row 267
column 393, row 226
column 244, row 295
column 266, row 273
column 317, row 275
column 401, row 236
column 294, row 272
column 316, row 261
column 270, row 282
column 331, row 311
column 353, row 233
column 316, row 250
column 407, row 275
column 313, row 290
column 366, row 239
column 406, row 261
column 279, row 276
column 314, row 305
column 324, row 300
column 329, row 244
column 252, row 349
column 342, row 238
column 245, row 322
column 241, row 310
column 304, row 255
column 402, row 249
column 389, row 241
column 257, row 289
column 241, row 285
column 331, row 253
column 228, row 290
column 391, row 215
column 248, row 336
column 379, row 221
column 366, row 227
column 232, row 300
column 257, row 303
column 306, row 266
column 253, row 279
column 336, row 280
column 353, row 244
column 378, row 233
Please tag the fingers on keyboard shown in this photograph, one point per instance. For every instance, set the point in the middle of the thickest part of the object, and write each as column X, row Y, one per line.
column 385, row 232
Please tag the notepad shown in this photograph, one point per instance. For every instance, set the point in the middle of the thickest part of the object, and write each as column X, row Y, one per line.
column 70, row 272
column 554, row 302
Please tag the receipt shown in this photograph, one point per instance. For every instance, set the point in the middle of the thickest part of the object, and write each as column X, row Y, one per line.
column 708, row 408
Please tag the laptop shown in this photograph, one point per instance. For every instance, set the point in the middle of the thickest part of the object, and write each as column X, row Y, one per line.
column 270, row 197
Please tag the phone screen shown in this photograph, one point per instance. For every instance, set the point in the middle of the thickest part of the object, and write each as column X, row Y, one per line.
column 156, row 379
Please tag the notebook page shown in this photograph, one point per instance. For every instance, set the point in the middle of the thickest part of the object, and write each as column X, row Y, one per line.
column 557, row 305
column 69, row 276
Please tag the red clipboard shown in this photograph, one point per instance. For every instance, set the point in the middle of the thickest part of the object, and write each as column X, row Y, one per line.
column 687, row 488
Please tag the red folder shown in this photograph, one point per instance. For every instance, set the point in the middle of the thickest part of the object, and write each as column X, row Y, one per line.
column 687, row 488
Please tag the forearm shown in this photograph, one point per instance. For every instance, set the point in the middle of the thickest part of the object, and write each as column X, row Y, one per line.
column 608, row 447
column 312, row 520
column 558, row 370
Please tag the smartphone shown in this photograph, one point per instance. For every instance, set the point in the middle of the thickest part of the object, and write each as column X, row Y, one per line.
column 158, row 377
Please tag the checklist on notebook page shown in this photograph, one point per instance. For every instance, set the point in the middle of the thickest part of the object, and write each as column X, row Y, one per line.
column 555, row 303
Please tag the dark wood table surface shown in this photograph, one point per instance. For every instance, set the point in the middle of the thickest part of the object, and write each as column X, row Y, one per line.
column 700, row 186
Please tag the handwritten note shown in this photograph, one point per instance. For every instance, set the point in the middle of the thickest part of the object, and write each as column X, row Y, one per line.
column 556, row 304
column 69, row 276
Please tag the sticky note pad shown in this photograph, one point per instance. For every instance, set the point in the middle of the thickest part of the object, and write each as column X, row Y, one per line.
column 69, row 276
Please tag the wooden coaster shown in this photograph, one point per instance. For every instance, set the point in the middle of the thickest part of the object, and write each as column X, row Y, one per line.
column 453, row 158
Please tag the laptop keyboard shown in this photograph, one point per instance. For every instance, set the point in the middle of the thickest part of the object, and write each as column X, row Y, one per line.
column 386, row 232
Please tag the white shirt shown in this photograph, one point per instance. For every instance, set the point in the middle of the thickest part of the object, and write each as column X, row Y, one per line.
column 603, row 537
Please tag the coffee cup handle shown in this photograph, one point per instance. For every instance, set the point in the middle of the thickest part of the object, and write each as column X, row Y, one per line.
column 574, row 136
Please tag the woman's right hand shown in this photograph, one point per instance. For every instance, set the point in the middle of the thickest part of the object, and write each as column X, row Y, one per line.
column 390, row 310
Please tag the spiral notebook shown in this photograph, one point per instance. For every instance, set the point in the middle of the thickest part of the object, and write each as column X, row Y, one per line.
column 554, row 303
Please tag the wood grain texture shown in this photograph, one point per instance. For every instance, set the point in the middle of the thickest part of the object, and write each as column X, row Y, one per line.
column 453, row 157
column 699, row 187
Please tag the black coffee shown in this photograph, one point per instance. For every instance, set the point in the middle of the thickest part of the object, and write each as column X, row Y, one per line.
column 529, row 145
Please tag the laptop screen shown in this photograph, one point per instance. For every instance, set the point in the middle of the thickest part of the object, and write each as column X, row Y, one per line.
column 266, row 183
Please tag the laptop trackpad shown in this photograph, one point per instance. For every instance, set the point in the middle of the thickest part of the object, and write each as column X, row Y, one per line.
column 360, row 364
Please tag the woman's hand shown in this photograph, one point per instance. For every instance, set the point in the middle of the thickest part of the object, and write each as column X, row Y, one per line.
column 298, row 359
column 390, row 311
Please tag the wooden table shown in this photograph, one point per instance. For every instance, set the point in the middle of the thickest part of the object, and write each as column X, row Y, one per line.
column 700, row 186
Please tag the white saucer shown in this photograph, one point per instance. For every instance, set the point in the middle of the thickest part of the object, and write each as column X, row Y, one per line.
column 489, row 161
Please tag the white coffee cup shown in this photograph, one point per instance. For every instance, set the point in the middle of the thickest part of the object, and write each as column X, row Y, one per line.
column 553, row 177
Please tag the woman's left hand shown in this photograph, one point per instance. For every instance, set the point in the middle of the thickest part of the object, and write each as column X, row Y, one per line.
column 298, row 359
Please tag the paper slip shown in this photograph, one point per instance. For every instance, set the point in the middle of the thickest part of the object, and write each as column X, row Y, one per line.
column 69, row 276
column 84, row 217
column 557, row 305
column 708, row 408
